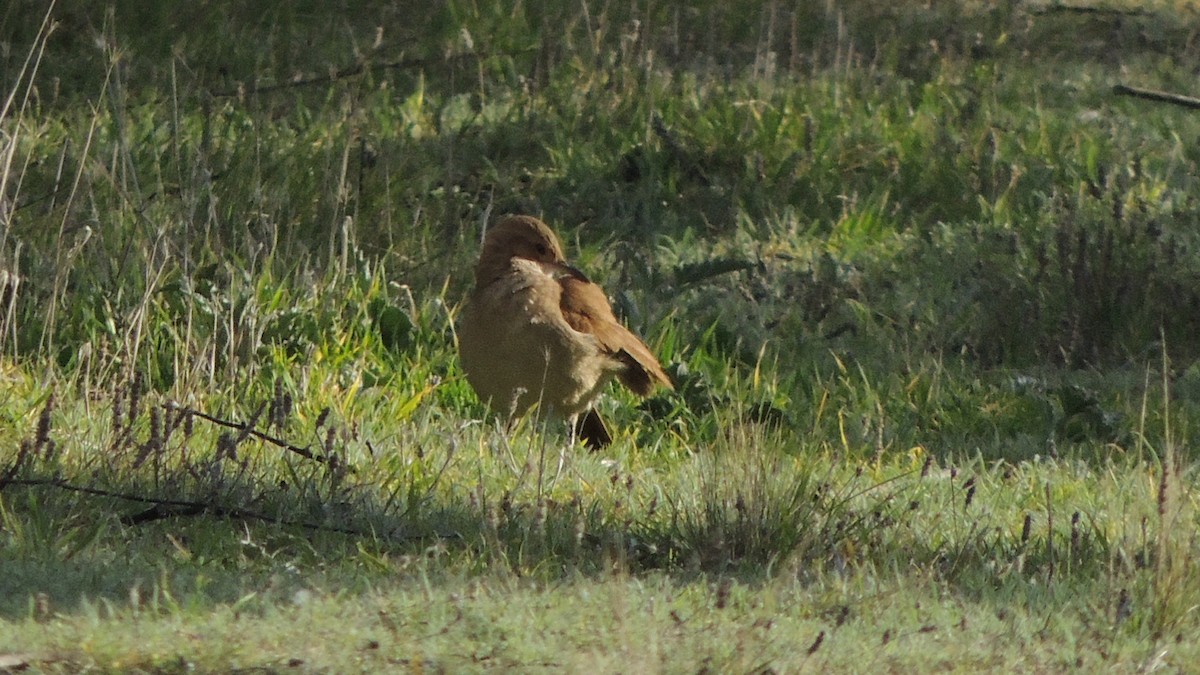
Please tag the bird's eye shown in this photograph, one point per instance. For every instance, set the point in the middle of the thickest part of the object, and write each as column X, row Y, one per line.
column 542, row 250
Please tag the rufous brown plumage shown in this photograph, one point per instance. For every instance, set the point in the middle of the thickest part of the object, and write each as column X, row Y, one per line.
column 536, row 331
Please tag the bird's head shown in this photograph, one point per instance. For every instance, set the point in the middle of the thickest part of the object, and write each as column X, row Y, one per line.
column 517, row 237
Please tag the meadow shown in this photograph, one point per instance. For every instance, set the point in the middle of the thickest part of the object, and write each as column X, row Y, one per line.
column 927, row 286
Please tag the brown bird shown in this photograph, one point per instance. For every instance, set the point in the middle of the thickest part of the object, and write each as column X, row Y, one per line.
column 537, row 331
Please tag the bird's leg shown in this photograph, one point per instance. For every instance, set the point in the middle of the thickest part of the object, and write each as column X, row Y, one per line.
column 562, row 452
column 572, row 430
column 590, row 428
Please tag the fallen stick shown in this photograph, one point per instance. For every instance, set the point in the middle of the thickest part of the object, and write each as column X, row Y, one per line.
column 247, row 430
column 1161, row 96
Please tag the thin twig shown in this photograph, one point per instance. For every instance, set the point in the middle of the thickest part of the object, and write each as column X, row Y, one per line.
column 246, row 430
column 166, row 508
column 681, row 156
column 357, row 69
column 1089, row 9
column 98, row 492
column 1160, row 96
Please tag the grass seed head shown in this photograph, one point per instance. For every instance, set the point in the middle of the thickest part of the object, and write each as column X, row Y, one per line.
column 812, row 649
column 135, row 400
column 1163, row 487
column 44, row 423
column 723, row 589
column 118, row 411
column 155, row 441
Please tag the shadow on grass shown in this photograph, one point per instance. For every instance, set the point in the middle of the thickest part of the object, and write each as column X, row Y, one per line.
column 268, row 530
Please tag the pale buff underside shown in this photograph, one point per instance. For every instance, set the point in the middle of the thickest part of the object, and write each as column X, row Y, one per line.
column 517, row 350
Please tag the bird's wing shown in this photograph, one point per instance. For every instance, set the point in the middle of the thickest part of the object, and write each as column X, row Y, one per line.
column 585, row 309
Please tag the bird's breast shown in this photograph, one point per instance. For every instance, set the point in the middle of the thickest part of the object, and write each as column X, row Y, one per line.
column 517, row 349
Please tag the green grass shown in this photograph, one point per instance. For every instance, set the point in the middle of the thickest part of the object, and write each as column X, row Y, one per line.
column 928, row 291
